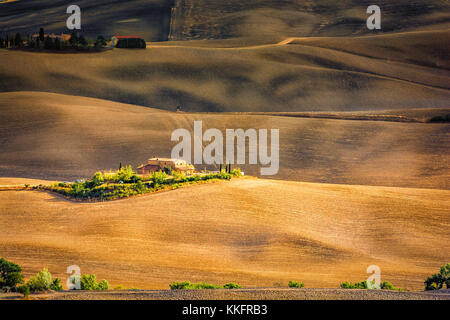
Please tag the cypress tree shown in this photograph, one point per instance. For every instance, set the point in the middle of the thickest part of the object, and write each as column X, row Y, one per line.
column 57, row 44
column 41, row 34
column 18, row 40
column 48, row 44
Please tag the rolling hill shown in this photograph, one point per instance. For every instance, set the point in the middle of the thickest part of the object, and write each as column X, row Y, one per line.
column 364, row 178
column 233, row 231
column 146, row 18
column 158, row 20
column 275, row 19
column 298, row 74
column 52, row 136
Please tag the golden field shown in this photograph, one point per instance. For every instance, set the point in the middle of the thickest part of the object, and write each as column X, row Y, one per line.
column 298, row 74
column 51, row 136
column 257, row 232
column 252, row 231
column 364, row 177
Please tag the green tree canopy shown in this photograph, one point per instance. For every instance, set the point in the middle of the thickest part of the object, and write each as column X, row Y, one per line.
column 10, row 274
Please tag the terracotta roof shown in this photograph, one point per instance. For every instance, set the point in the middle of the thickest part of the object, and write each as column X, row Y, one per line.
column 127, row 37
column 184, row 169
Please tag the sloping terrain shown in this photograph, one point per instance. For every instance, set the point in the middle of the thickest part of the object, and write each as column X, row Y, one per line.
column 146, row 18
column 276, row 19
column 51, row 136
column 258, row 233
column 306, row 74
column 218, row 19
column 237, row 294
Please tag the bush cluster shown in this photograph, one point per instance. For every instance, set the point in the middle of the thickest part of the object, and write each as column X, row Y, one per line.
column 440, row 119
column 437, row 280
column 385, row 285
column 10, row 274
column 42, row 281
column 186, row 285
column 89, row 282
column 126, row 183
column 296, row 284
column 76, row 42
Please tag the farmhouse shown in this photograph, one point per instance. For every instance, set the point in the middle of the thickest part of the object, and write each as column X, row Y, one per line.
column 62, row 36
column 128, row 42
column 165, row 164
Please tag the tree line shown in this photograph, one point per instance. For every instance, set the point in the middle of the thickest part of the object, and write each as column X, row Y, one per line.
column 42, row 41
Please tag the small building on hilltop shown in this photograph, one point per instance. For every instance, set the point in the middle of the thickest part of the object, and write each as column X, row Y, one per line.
column 128, row 42
column 62, row 36
column 165, row 165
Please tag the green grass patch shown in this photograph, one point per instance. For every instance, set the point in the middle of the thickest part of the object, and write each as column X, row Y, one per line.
column 126, row 183
column 296, row 284
column 186, row 285
column 385, row 285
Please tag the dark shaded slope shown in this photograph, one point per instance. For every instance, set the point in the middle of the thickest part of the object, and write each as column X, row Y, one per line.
column 216, row 19
column 149, row 19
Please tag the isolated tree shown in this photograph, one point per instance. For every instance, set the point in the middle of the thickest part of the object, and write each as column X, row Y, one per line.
column 18, row 40
column 82, row 41
column 41, row 34
column 11, row 42
column 100, row 42
column 48, row 44
column 10, row 274
column 437, row 280
column 41, row 282
column 57, row 44
column 74, row 40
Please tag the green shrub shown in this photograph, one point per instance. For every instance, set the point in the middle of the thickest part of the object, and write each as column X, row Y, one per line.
column 125, row 183
column 103, row 285
column 186, row 285
column 159, row 177
column 236, row 172
column 180, row 285
column 10, row 274
column 126, row 175
column 56, row 285
column 88, row 282
column 203, row 285
column 25, row 290
column 437, row 280
column 41, row 282
column 357, row 285
column 363, row 285
column 178, row 175
column 386, row 285
column 232, row 285
column 296, row 284
column 98, row 178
